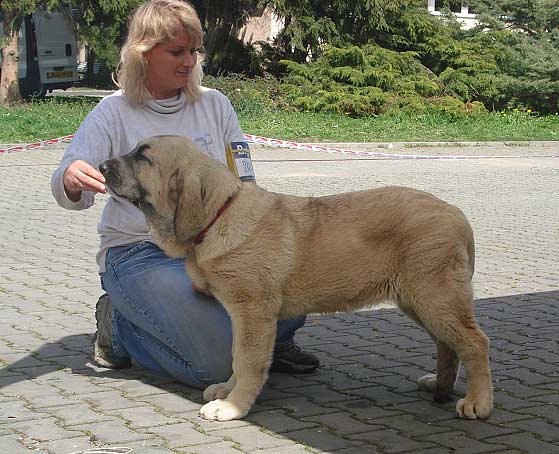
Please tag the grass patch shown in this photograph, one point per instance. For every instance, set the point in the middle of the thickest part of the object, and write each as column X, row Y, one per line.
column 59, row 116
column 401, row 127
column 52, row 117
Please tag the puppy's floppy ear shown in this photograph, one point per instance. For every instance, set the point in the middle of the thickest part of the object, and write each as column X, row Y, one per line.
column 186, row 192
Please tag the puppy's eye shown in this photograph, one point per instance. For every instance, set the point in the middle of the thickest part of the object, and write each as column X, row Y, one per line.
column 141, row 157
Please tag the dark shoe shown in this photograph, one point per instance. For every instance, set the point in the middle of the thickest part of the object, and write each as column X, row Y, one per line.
column 102, row 346
column 293, row 360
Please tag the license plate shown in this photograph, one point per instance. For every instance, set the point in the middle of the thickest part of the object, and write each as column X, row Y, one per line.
column 59, row 74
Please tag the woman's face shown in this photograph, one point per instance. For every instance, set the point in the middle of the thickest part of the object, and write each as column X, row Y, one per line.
column 170, row 66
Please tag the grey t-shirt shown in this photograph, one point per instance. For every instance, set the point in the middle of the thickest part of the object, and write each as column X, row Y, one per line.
column 114, row 127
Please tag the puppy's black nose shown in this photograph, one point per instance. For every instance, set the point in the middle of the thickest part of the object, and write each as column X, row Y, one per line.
column 103, row 168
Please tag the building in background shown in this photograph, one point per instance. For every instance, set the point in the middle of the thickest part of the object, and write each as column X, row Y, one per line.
column 463, row 12
column 262, row 27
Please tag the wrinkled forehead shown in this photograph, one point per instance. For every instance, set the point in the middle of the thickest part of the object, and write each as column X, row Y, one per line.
column 151, row 154
column 179, row 33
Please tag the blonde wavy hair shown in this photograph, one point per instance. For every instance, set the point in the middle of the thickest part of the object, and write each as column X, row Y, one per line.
column 155, row 22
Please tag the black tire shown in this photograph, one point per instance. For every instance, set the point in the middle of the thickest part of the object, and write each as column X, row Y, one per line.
column 31, row 95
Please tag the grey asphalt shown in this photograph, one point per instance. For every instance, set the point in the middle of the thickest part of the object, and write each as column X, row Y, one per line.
column 364, row 398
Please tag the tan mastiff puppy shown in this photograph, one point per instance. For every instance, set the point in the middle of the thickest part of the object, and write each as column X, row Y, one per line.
column 268, row 256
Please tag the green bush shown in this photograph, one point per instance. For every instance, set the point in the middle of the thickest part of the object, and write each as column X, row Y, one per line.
column 368, row 81
column 247, row 95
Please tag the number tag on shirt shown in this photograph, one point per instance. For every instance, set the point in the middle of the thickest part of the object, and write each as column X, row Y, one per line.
column 239, row 162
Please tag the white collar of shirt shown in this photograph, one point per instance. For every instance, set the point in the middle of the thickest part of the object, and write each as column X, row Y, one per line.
column 167, row 106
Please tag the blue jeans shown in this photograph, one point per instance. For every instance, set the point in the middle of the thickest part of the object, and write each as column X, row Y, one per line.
column 163, row 324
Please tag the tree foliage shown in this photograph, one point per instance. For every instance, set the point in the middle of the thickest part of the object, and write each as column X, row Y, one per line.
column 511, row 60
column 222, row 21
column 525, row 47
column 533, row 17
column 395, row 24
column 102, row 25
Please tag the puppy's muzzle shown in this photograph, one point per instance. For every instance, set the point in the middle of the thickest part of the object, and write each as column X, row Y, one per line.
column 110, row 171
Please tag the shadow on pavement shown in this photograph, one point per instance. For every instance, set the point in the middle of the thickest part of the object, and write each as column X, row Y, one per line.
column 365, row 390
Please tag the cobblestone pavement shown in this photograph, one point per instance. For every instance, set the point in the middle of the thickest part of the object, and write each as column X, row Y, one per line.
column 364, row 398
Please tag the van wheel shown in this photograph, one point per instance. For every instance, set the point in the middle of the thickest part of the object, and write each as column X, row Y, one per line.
column 37, row 93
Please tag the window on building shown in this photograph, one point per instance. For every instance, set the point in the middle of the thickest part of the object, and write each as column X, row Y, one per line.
column 454, row 5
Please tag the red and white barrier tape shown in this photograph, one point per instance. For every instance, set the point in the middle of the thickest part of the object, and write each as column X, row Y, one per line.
column 32, row 146
column 371, row 154
column 294, row 145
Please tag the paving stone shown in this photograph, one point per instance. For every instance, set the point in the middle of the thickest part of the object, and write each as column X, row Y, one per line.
column 546, row 431
column 526, row 442
column 50, row 401
column 134, row 389
column 110, row 431
column 299, row 407
column 21, row 360
column 390, row 441
column 44, row 429
column 66, row 445
column 151, row 446
column 320, row 394
column 359, row 450
column 14, row 411
column 182, row 434
column 462, row 441
column 109, row 400
column 277, row 421
column 343, row 423
column 250, row 438
column 225, row 447
column 319, row 438
column 290, row 449
column 480, row 430
column 76, row 414
column 337, row 381
column 269, row 393
column 12, row 444
column 381, row 395
column 170, row 403
column 411, row 425
column 285, row 381
column 137, row 417
column 549, row 412
column 366, row 409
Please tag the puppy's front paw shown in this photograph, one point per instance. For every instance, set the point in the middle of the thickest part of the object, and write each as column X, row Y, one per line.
column 217, row 391
column 468, row 408
column 221, row 410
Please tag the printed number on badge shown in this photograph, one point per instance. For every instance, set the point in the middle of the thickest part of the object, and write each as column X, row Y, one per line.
column 239, row 161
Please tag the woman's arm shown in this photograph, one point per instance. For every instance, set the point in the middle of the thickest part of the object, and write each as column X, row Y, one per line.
column 77, row 180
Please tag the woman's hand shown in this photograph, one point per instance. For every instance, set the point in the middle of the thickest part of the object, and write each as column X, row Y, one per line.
column 80, row 176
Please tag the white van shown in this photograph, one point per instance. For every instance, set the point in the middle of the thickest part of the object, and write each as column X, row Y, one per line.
column 47, row 53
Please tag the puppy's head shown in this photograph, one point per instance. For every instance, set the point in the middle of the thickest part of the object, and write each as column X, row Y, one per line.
column 147, row 175
column 172, row 182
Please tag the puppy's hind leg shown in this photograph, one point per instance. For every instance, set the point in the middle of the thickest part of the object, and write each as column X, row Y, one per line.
column 255, row 335
column 442, row 383
column 447, row 314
